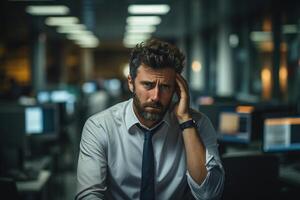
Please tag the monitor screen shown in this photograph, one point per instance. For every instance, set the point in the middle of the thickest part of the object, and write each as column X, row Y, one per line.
column 281, row 134
column 42, row 120
column 43, row 96
column 33, row 120
column 235, row 124
column 234, row 127
column 89, row 87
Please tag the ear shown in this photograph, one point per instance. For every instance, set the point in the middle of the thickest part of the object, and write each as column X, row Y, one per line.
column 130, row 83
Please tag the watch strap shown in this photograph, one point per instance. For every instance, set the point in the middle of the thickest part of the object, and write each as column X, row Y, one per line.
column 187, row 124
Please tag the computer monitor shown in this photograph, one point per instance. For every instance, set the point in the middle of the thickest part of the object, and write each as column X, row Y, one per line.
column 42, row 121
column 89, row 87
column 235, row 124
column 281, row 134
column 43, row 96
column 12, row 125
column 12, row 140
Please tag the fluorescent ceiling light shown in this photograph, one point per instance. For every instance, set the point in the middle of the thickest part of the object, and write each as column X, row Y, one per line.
column 149, row 9
column 133, row 41
column 47, row 10
column 82, row 37
column 143, row 20
column 59, row 21
column 88, row 43
column 74, row 31
column 141, row 30
column 138, row 36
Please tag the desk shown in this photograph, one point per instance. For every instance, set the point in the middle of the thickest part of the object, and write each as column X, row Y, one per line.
column 289, row 175
column 34, row 189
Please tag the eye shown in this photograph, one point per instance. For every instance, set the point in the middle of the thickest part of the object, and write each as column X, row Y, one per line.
column 148, row 85
column 165, row 88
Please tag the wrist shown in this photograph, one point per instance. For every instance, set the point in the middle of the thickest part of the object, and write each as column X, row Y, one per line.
column 183, row 119
column 188, row 124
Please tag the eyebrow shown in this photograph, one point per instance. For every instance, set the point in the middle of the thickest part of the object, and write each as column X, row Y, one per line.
column 153, row 82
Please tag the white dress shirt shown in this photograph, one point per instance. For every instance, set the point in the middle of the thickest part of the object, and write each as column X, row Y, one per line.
column 110, row 158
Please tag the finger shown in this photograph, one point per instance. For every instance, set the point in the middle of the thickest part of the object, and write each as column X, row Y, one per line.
column 182, row 86
column 182, row 81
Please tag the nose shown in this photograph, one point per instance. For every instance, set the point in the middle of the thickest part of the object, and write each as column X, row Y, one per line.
column 155, row 94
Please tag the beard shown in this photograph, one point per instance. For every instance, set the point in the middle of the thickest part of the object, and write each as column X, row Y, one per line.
column 156, row 115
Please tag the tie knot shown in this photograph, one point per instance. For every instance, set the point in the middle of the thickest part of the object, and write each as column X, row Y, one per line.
column 148, row 135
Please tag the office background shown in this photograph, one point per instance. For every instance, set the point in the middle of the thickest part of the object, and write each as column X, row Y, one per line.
column 62, row 61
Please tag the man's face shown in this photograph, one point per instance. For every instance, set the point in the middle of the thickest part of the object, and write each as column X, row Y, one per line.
column 153, row 90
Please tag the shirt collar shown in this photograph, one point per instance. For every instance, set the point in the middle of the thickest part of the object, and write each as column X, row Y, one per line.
column 131, row 119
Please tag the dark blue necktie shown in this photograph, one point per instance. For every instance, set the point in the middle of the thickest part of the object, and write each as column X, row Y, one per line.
column 148, row 168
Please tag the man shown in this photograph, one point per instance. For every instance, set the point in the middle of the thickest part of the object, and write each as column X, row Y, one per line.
column 117, row 160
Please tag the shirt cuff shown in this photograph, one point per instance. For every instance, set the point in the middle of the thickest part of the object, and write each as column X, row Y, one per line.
column 206, row 190
column 208, row 166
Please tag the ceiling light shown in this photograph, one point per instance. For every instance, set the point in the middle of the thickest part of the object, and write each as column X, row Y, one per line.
column 140, row 29
column 70, row 27
column 149, row 9
column 81, row 37
column 59, row 21
column 138, row 36
column 73, row 31
column 132, row 41
column 47, row 10
column 144, row 20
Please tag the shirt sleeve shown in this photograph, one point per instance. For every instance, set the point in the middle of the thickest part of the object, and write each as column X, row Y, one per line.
column 212, row 186
column 92, row 164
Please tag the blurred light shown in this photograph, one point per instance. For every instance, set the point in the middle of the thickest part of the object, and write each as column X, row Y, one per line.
column 206, row 100
column 58, row 21
column 126, row 70
column 244, row 109
column 266, row 78
column 283, row 78
column 139, row 36
column 47, row 10
column 149, row 9
column 60, row 96
column 89, row 87
column 113, row 86
column 144, row 20
column 233, row 40
column 43, row 97
column 71, row 28
column 76, row 32
column 83, row 36
column 196, row 66
column 131, row 42
column 289, row 29
column 260, row 36
column 140, row 29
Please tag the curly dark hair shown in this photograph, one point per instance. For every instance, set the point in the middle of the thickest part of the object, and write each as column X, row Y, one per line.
column 156, row 54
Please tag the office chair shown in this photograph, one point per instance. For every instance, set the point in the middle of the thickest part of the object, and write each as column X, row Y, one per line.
column 251, row 177
column 8, row 188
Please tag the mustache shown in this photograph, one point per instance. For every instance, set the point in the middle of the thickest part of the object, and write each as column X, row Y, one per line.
column 157, row 104
column 154, row 105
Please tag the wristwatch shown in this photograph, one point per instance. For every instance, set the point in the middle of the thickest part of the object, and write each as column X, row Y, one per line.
column 188, row 124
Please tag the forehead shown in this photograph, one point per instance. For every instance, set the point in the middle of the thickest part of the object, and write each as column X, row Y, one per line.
column 149, row 74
